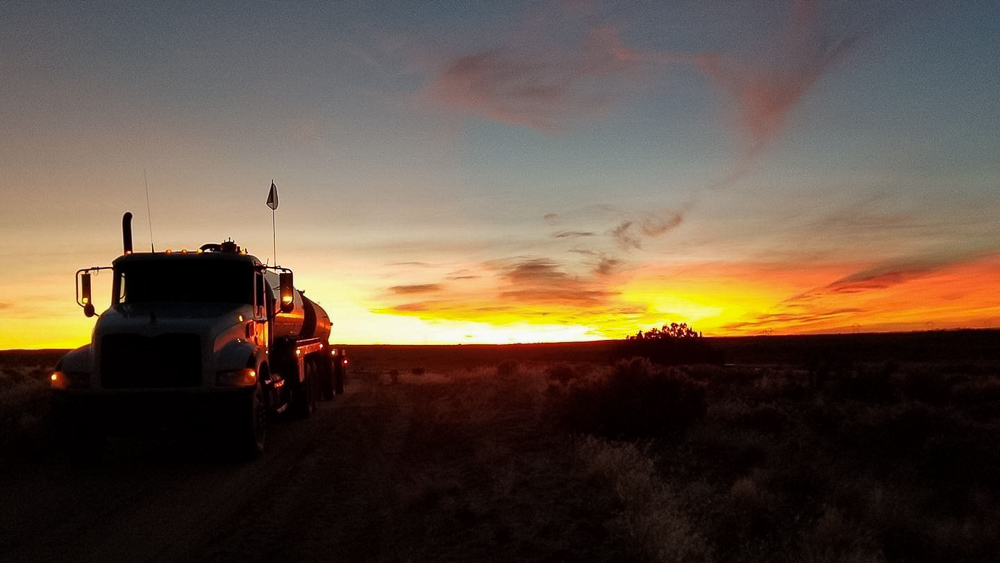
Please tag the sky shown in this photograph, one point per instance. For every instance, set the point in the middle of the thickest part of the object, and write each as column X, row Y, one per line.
column 515, row 171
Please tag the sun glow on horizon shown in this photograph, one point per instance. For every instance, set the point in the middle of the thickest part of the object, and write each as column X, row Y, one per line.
column 717, row 300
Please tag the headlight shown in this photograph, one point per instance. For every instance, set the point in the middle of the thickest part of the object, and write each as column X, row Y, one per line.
column 236, row 377
column 70, row 380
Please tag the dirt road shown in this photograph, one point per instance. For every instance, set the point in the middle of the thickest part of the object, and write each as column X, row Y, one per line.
column 317, row 493
column 383, row 473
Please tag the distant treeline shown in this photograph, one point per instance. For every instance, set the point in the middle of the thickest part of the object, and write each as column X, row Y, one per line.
column 929, row 346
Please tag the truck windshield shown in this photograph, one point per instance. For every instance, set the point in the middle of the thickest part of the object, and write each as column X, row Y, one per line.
column 192, row 281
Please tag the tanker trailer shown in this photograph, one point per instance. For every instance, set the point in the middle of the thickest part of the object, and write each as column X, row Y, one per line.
column 299, row 324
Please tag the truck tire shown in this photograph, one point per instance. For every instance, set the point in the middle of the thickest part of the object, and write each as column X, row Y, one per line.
column 313, row 370
column 304, row 397
column 338, row 377
column 251, row 430
column 325, row 373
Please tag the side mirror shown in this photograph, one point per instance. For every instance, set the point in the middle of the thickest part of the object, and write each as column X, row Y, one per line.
column 287, row 290
column 85, row 298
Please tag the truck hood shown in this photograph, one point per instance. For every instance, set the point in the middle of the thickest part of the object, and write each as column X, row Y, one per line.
column 159, row 318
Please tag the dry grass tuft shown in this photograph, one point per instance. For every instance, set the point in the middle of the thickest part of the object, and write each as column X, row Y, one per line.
column 24, row 401
column 650, row 523
column 635, row 399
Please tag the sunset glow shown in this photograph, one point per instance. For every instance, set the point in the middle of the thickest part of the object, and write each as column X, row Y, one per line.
column 516, row 171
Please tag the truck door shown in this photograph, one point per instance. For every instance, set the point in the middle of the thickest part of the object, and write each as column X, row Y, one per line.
column 262, row 304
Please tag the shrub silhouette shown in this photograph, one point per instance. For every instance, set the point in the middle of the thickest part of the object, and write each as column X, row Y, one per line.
column 508, row 368
column 674, row 344
column 634, row 400
column 561, row 373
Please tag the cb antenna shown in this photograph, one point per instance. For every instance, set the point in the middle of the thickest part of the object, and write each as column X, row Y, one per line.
column 149, row 216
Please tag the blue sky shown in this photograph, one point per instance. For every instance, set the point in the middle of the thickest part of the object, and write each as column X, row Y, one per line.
column 516, row 171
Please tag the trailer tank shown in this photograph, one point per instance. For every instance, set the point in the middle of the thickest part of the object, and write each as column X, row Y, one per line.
column 306, row 319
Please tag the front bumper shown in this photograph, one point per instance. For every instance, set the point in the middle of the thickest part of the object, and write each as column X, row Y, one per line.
column 146, row 411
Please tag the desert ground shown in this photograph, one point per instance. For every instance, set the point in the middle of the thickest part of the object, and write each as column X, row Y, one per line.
column 829, row 448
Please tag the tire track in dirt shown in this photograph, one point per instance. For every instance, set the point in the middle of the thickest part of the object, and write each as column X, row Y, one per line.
column 143, row 503
column 332, row 499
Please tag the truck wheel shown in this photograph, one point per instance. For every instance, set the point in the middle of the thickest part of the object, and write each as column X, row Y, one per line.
column 325, row 372
column 313, row 382
column 338, row 377
column 252, row 427
column 311, row 386
column 304, row 398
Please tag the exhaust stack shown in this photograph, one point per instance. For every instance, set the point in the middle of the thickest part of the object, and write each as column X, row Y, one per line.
column 127, row 232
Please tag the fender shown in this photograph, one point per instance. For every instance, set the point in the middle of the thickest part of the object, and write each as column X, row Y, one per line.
column 239, row 354
column 79, row 360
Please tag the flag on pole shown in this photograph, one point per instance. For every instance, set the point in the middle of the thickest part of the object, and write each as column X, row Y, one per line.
column 272, row 197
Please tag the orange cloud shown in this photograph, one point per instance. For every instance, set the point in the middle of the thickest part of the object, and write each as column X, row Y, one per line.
column 542, row 282
column 418, row 288
column 723, row 299
column 901, row 297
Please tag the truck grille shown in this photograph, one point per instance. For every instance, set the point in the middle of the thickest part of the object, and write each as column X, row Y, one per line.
column 130, row 361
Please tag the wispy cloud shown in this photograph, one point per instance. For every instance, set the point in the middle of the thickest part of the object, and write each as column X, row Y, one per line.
column 766, row 88
column 464, row 274
column 800, row 320
column 536, row 82
column 650, row 224
column 540, row 281
column 767, row 79
column 573, row 234
column 522, row 289
column 602, row 264
column 540, row 86
column 416, row 288
column 887, row 275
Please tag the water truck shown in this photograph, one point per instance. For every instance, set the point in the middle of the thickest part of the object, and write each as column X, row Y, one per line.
column 210, row 341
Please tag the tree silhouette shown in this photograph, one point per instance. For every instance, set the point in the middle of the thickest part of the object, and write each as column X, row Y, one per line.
column 674, row 343
column 672, row 330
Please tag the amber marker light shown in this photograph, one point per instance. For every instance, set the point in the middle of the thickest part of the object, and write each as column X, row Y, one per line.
column 236, row 377
column 69, row 380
